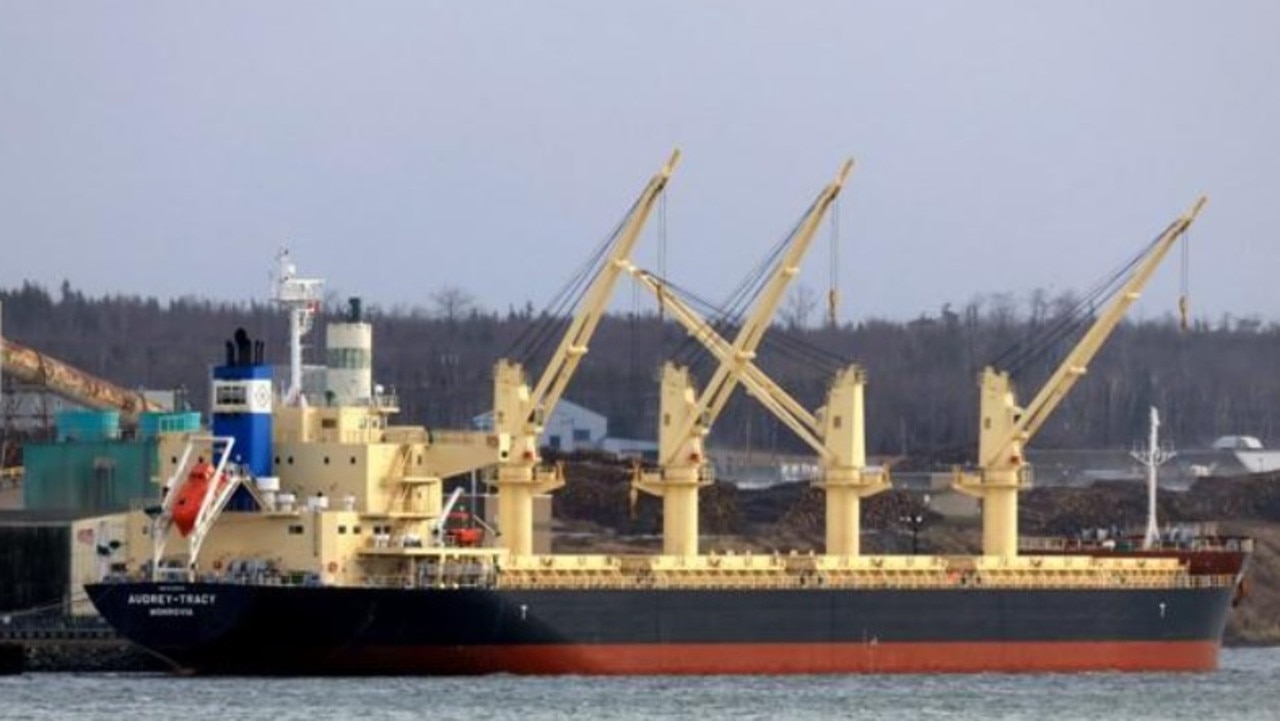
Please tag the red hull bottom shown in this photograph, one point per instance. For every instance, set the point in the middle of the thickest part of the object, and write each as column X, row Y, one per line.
column 642, row 659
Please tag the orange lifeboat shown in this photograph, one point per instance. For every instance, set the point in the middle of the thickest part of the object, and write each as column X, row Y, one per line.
column 464, row 534
column 467, row 537
column 186, row 505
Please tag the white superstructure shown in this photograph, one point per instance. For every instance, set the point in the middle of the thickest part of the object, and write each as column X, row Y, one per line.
column 349, row 360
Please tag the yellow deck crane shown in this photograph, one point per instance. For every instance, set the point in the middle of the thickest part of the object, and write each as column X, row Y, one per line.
column 686, row 418
column 1005, row 428
column 519, row 413
column 836, row 432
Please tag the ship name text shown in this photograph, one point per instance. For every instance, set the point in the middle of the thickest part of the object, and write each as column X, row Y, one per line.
column 172, row 604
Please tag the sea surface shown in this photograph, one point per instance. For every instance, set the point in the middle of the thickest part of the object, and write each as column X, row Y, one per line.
column 1247, row 687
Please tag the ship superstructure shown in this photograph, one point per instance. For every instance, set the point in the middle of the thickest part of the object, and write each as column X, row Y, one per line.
column 313, row 535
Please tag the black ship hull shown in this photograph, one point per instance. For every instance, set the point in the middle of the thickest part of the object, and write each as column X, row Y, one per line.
column 241, row 629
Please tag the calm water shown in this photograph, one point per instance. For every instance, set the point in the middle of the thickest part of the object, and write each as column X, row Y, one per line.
column 1247, row 687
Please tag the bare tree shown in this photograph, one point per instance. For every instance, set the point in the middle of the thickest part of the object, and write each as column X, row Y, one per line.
column 452, row 303
column 798, row 308
column 1211, row 380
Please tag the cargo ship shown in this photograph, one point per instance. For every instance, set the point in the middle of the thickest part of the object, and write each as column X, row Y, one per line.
column 305, row 533
column 903, row 619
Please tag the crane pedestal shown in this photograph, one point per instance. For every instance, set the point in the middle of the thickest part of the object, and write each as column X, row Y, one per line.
column 517, row 485
column 678, row 488
column 998, row 488
column 845, row 489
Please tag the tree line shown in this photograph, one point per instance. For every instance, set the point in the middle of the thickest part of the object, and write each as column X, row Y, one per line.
column 1208, row 380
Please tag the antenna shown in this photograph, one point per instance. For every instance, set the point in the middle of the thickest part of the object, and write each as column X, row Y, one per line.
column 301, row 297
column 1152, row 456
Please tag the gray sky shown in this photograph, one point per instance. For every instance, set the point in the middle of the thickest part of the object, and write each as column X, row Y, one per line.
column 167, row 148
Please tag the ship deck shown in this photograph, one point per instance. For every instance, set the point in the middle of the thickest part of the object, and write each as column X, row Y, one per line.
column 455, row 568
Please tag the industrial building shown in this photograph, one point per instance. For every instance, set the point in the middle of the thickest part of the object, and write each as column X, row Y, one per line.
column 570, row 428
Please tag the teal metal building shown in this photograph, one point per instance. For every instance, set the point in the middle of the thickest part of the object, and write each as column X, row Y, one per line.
column 91, row 469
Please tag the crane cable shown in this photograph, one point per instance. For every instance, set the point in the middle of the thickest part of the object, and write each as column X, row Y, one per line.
column 538, row 337
column 833, row 291
column 733, row 310
column 662, row 250
column 1042, row 342
column 1184, row 295
column 785, row 344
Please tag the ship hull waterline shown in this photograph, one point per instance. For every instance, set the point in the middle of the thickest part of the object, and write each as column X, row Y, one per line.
column 212, row 628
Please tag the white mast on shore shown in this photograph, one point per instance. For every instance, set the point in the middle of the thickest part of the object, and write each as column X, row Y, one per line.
column 301, row 297
column 1153, row 456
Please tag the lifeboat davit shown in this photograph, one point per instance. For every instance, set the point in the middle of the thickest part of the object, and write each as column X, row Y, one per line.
column 186, row 505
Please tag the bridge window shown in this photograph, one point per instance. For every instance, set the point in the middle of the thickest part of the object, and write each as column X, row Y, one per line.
column 229, row 395
column 355, row 358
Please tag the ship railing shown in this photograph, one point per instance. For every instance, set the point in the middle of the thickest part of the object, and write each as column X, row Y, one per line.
column 261, row 578
column 404, row 581
column 951, row 579
column 1132, row 542
column 820, row 582
column 271, row 578
column 456, row 574
column 473, row 439
column 1219, row 580
column 476, row 576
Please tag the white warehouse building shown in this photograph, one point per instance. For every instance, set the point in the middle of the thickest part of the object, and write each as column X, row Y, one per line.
column 570, row 427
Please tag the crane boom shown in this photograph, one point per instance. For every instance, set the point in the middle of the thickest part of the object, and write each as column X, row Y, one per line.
column 836, row 433
column 786, row 408
column 1077, row 361
column 519, row 413
column 724, row 380
column 564, row 362
column 686, row 417
column 1005, row 427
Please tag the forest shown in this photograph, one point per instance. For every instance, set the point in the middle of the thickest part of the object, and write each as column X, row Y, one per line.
column 1208, row 378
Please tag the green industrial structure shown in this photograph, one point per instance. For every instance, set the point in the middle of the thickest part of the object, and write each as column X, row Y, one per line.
column 90, row 468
